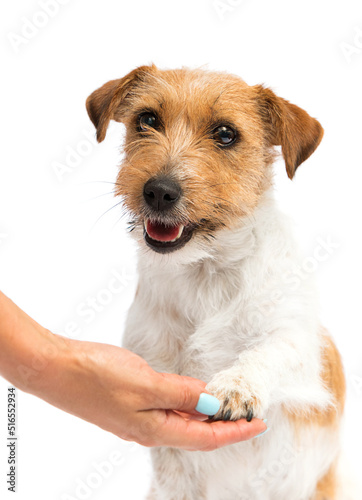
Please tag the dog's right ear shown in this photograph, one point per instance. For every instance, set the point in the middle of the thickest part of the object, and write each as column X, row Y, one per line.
column 103, row 103
column 288, row 126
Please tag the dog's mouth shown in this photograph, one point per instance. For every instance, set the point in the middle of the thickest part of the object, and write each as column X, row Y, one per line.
column 165, row 238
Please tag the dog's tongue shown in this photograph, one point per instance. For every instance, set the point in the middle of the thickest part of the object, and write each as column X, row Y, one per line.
column 160, row 232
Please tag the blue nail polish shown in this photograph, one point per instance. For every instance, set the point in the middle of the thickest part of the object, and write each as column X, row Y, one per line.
column 207, row 404
column 264, row 432
column 265, row 420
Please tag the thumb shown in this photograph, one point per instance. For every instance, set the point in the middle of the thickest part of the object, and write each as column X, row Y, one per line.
column 186, row 394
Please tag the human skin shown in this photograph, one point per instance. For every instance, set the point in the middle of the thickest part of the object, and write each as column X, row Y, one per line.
column 110, row 387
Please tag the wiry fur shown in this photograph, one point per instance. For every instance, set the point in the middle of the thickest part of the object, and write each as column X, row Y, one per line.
column 226, row 307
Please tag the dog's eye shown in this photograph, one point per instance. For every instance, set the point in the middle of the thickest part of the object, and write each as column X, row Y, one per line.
column 224, row 135
column 147, row 120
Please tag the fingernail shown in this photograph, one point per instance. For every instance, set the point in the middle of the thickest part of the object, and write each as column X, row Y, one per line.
column 207, row 404
column 264, row 432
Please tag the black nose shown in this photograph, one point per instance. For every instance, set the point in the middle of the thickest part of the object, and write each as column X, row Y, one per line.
column 161, row 193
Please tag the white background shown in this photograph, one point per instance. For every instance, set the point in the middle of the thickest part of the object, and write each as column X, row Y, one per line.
column 55, row 253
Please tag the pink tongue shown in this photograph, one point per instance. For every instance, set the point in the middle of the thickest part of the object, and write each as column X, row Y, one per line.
column 160, row 232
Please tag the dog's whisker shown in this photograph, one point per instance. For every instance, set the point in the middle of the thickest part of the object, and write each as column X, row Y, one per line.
column 224, row 184
column 107, row 211
column 122, row 216
column 100, row 196
column 100, row 181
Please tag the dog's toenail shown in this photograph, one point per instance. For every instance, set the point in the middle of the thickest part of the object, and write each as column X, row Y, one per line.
column 227, row 415
column 249, row 415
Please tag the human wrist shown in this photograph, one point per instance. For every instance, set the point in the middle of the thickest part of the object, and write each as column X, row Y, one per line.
column 41, row 361
column 26, row 348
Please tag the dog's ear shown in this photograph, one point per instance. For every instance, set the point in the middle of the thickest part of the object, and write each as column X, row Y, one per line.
column 288, row 126
column 103, row 103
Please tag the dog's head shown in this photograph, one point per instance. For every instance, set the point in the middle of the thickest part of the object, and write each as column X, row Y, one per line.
column 198, row 149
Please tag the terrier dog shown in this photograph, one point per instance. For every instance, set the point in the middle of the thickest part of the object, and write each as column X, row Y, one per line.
column 218, row 297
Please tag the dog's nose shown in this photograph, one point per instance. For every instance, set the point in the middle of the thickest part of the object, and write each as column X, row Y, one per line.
column 161, row 193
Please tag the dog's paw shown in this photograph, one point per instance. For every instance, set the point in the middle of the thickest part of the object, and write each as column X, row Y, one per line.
column 239, row 398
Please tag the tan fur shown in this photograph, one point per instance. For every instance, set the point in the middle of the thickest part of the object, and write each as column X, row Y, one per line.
column 327, row 486
column 219, row 185
column 334, row 380
column 285, row 123
column 189, row 104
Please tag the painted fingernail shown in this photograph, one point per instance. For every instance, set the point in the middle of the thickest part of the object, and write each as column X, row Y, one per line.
column 207, row 404
column 264, row 432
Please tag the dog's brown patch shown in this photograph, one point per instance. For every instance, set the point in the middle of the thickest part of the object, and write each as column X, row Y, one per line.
column 327, row 486
column 103, row 105
column 219, row 184
column 290, row 127
column 333, row 379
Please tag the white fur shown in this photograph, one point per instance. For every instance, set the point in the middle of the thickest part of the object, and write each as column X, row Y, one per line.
column 228, row 309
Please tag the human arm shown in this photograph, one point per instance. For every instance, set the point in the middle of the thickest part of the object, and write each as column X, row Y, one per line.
column 109, row 386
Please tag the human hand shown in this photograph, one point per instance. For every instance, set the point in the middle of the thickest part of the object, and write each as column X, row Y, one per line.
column 118, row 391
column 110, row 387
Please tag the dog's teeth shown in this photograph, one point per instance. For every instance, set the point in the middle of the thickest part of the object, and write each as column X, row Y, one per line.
column 181, row 228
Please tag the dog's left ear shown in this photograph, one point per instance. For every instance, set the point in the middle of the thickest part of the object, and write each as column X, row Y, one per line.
column 288, row 126
column 104, row 103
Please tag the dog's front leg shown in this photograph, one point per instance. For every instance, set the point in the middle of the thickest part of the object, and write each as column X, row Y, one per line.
column 283, row 368
column 177, row 475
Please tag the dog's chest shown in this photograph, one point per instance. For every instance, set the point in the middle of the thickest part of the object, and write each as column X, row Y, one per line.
column 187, row 327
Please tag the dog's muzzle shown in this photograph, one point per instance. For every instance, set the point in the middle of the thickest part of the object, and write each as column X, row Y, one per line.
column 161, row 195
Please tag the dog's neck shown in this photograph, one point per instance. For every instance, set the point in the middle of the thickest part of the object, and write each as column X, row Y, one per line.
column 221, row 269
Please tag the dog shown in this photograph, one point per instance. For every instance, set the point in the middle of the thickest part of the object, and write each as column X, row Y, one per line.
column 217, row 297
